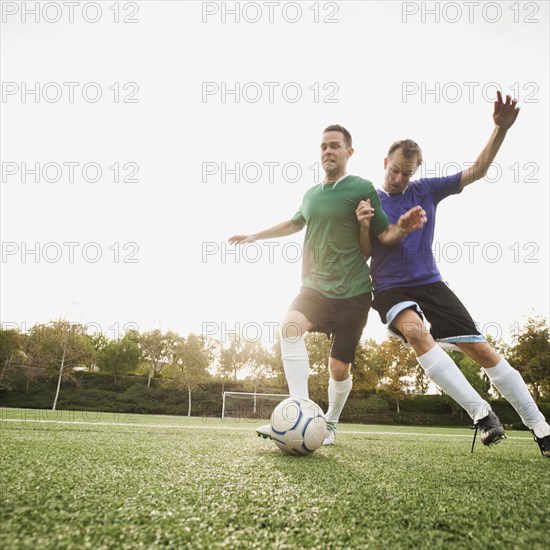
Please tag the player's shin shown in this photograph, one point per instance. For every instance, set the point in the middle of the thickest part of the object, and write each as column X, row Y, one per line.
column 509, row 382
column 338, row 393
column 442, row 370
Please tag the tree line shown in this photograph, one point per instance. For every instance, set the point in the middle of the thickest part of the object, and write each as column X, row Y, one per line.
column 59, row 348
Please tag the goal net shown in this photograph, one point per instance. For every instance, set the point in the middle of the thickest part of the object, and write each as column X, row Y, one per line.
column 238, row 404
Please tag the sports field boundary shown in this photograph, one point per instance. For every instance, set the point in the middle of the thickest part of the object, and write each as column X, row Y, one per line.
column 230, row 428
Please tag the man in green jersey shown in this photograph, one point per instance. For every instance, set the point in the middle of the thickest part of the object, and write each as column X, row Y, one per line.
column 336, row 292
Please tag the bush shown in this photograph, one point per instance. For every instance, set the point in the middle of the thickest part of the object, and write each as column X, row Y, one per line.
column 98, row 392
column 376, row 404
column 427, row 404
column 87, row 400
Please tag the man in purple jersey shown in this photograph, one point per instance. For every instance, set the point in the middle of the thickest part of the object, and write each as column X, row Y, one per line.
column 409, row 287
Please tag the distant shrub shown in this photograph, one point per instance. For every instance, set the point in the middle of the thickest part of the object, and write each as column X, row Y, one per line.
column 427, row 404
column 376, row 404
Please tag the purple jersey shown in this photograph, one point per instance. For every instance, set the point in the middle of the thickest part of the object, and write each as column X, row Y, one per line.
column 411, row 262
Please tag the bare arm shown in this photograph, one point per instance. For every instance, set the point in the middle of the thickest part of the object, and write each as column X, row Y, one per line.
column 504, row 115
column 410, row 221
column 364, row 213
column 280, row 230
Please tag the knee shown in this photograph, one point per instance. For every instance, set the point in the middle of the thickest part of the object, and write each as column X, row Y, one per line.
column 483, row 354
column 339, row 371
column 291, row 328
column 294, row 325
column 415, row 333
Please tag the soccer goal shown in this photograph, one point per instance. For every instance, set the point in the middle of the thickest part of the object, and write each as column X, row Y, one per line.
column 238, row 404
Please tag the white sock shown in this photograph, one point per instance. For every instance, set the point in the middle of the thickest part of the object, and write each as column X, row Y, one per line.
column 296, row 365
column 337, row 396
column 443, row 371
column 510, row 384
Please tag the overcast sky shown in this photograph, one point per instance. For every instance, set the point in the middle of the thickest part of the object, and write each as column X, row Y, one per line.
column 157, row 130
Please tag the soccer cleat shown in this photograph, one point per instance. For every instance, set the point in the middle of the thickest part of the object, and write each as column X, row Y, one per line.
column 330, row 438
column 491, row 431
column 543, row 443
column 264, row 431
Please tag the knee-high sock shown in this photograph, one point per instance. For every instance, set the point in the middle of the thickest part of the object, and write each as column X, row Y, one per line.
column 443, row 371
column 296, row 365
column 337, row 396
column 510, row 384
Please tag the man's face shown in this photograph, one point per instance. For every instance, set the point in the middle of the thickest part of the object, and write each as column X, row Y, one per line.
column 334, row 154
column 399, row 170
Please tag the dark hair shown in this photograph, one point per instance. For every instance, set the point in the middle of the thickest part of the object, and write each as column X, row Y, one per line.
column 411, row 149
column 338, row 128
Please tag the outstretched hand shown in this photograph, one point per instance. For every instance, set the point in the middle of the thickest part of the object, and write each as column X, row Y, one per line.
column 242, row 239
column 412, row 220
column 505, row 113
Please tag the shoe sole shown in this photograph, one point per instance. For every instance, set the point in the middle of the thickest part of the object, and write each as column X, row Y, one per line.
column 265, row 436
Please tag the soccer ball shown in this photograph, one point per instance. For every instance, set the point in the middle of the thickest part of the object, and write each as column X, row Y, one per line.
column 298, row 426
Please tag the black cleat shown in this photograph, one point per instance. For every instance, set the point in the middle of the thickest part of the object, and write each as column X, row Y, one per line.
column 544, row 444
column 491, row 431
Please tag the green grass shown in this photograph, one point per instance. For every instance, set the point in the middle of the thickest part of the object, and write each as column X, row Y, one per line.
column 141, row 481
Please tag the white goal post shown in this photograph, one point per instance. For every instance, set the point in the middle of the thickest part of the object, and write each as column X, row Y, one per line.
column 273, row 398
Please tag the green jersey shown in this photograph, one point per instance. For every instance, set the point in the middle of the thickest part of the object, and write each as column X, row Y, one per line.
column 332, row 262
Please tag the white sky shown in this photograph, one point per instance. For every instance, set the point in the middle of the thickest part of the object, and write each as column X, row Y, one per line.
column 179, row 217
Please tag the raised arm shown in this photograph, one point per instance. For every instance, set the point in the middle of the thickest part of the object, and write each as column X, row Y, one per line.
column 504, row 115
column 410, row 221
column 279, row 230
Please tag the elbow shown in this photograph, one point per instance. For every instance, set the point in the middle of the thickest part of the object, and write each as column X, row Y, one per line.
column 481, row 174
column 383, row 239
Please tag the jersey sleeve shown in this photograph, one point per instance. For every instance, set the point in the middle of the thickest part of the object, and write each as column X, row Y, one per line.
column 441, row 188
column 379, row 222
column 298, row 219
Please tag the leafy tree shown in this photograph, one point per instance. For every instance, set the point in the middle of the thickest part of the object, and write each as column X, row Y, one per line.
column 60, row 346
column 255, row 358
column 11, row 350
column 190, row 360
column 368, row 367
column 531, row 356
column 318, row 346
column 229, row 362
column 99, row 341
column 399, row 368
column 119, row 357
column 157, row 351
column 421, row 381
column 275, row 361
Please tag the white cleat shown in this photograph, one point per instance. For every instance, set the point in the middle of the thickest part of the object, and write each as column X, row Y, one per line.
column 264, row 431
column 330, row 438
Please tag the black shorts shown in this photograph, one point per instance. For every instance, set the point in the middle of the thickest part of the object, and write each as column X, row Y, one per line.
column 343, row 319
column 437, row 303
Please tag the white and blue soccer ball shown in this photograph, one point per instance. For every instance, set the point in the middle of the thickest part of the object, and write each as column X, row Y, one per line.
column 298, row 426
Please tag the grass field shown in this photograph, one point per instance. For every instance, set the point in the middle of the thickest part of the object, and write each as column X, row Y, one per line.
column 103, row 481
